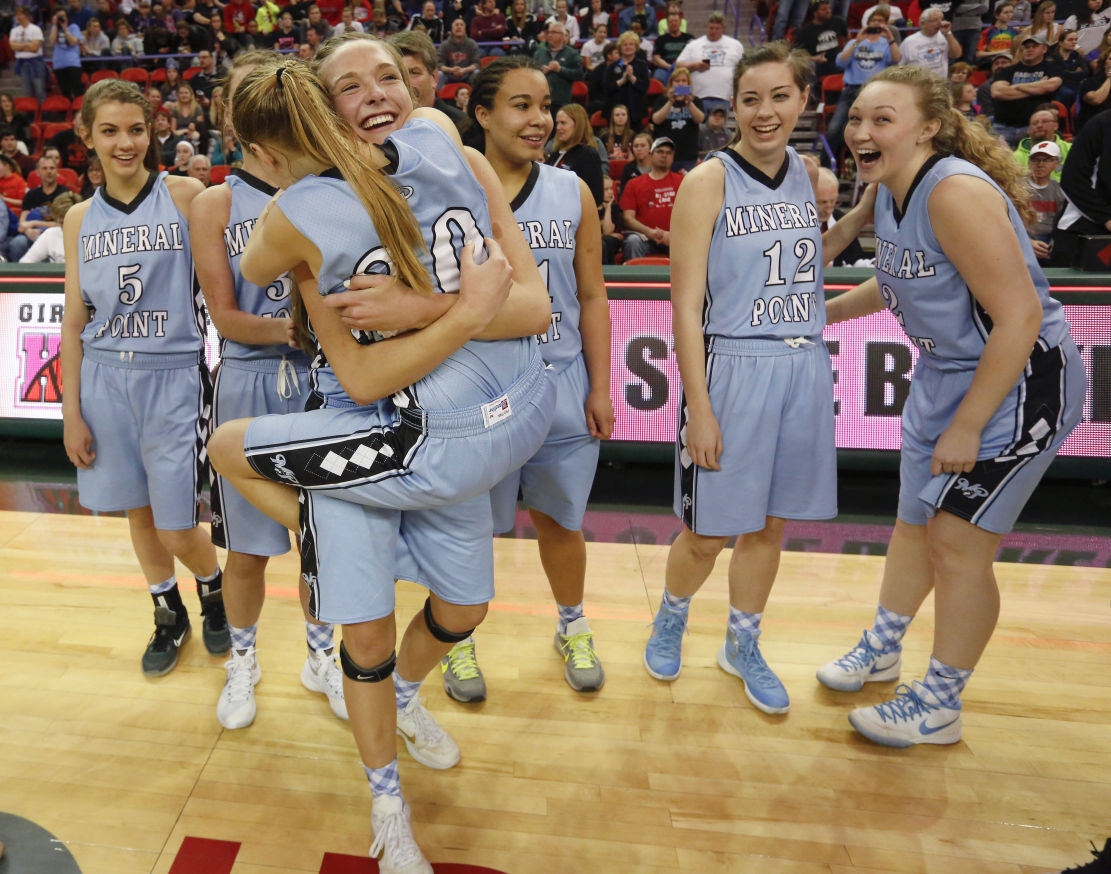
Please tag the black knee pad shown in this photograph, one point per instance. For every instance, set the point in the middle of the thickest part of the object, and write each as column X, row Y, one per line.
column 438, row 631
column 366, row 675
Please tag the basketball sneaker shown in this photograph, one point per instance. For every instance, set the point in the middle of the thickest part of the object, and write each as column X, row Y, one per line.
column 867, row 662
column 582, row 668
column 236, row 707
column 1100, row 864
column 663, row 654
column 393, row 838
column 463, row 678
column 914, row 716
column 426, row 741
column 322, row 674
column 171, row 630
column 214, row 623
column 741, row 657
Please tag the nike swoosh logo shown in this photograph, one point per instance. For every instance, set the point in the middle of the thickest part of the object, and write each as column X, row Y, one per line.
column 180, row 639
column 925, row 729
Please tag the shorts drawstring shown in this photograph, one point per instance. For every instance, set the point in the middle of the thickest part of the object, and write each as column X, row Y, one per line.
column 288, row 384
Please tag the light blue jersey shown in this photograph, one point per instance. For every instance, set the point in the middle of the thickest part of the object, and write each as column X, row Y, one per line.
column 924, row 290
column 136, row 273
column 427, row 167
column 764, row 272
column 249, row 196
column 548, row 210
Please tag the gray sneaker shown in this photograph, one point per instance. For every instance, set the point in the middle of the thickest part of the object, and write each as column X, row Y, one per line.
column 463, row 678
column 583, row 669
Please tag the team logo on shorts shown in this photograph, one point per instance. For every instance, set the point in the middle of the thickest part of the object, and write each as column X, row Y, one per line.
column 971, row 490
column 281, row 470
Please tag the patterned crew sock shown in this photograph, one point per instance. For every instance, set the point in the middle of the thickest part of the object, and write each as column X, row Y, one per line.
column 567, row 615
column 384, row 781
column 676, row 605
column 890, row 627
column 319, row 637
column 164, row 586
column 242, row 639
column 405, row 690
column 946, row 683
column 744, row 623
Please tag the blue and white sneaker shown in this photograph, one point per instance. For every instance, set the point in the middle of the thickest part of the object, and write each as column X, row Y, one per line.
column 742, row 658
column 867, row 662
column 663, row 654
column 915, row 716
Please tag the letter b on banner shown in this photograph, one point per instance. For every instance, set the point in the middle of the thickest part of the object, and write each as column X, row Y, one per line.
column 886, row 378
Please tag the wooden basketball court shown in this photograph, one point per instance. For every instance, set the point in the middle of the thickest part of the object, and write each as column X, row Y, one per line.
column 642, row 777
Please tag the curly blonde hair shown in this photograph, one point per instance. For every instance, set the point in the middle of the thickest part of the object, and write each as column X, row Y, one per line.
column 959, row 137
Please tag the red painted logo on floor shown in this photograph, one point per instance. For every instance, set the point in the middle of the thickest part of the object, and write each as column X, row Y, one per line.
column 207, row 856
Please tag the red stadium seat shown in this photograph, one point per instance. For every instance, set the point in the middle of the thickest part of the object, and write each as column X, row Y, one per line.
column 158, row 76
column 55, row 108
column 655, row 86
column 190, row 72
column 447, row 93
column 488, row 59
column 616, row 168
column 103, row 74
column 29, row 106
column 51, row 130
column 70, row 179
column 137, row 75
column 597, row 119
column 579, row 92
column 220, row 173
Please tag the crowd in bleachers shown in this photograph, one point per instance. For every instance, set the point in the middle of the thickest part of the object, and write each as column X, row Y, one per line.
column 615, row 71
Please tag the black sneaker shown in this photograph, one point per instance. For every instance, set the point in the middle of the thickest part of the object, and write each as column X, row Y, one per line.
column 170, row 633
column 1100, row 864
column 214, row 625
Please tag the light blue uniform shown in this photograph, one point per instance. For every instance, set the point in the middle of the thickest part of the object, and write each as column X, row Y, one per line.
column 483, row 412
column 145, row 393
column 930, row 299
column 253, row 380
column 767, row 370
column 557, row 480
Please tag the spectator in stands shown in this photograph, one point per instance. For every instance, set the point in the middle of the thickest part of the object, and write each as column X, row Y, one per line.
column 190, row 121
column 48, row 245
column 596, row 81
column 125, row 41
column 574, row 148
column 1091, row 22
column 1046, row 197
column 420, row 60
column 711, row 59
column 209, row 77
column 156, row 38
column 1043, row 24
column 236, row 15
column 78, row 13
column 13, row 188
column 183, row 154
column 964, row 99
column 822, row 37
column 93, row 178
column 189, row 39
column 610, row 218
column 522, row 25
column 154, row 98
column 1086, row 180
column 627, row 80
column 959, row 72
column 593, row 50
column 223, row 44
column 462, row 98
column 284, row 37
column 316, row 21
column 1043, row 127
column 676, row 116
column 646, row 203
column 347, row 22
column 1074, row 68
column 562, row 66
column 72, row 152
column 95, row 43
column 672, row 6
column 670, row 43
column 1095, row 91
column 164, row 134
column 201, row 168
column 226, row 150
column 788, row 16
column 968, row 21
column 1020, row 89
column 873, row 49
column 266, row 17
column 641, row 162
column 9, row 147
column 983, row 91
column 591, row 15
column 26, row 41
column 488, row 24
column 625, row 16
column 459, row 54
column 381, row 25
column 569, row 22
column 65, row 39
column 933, row 46
column 618, row 135
column 36, row 198
column 645, row 45
column 828, row 214
column 429, row 21
column 14, row 121
column 712, row 133
column 999, row 38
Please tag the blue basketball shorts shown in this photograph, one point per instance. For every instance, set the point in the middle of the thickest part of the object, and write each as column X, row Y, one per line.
column 149, row 416
column 773, row 400
column 246, row 388
column 1016, row 447
column 557, row 480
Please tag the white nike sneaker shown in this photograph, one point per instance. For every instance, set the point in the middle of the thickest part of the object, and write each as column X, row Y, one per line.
column 322, row 674
column 914, row 716
column 393, row 838
column 867, row 662
column 426, row 741
column 236, row 707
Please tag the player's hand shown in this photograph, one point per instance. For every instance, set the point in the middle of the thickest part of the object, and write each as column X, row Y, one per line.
column 704, row 440
column 78, row 442
column 868, row 200
column 378, row 303
column 290, row 332
column 483, row 288
column 956, row 450
column 599, row 414
column 1040, row 247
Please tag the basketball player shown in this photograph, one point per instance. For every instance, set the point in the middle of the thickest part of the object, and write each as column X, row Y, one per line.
column 755, row 441
column 259, row 373
column 136, row 403
column 510, row 104
column 459, row 427
column 997, row 388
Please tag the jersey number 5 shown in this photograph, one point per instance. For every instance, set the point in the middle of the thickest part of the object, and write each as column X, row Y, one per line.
column 131, row 286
